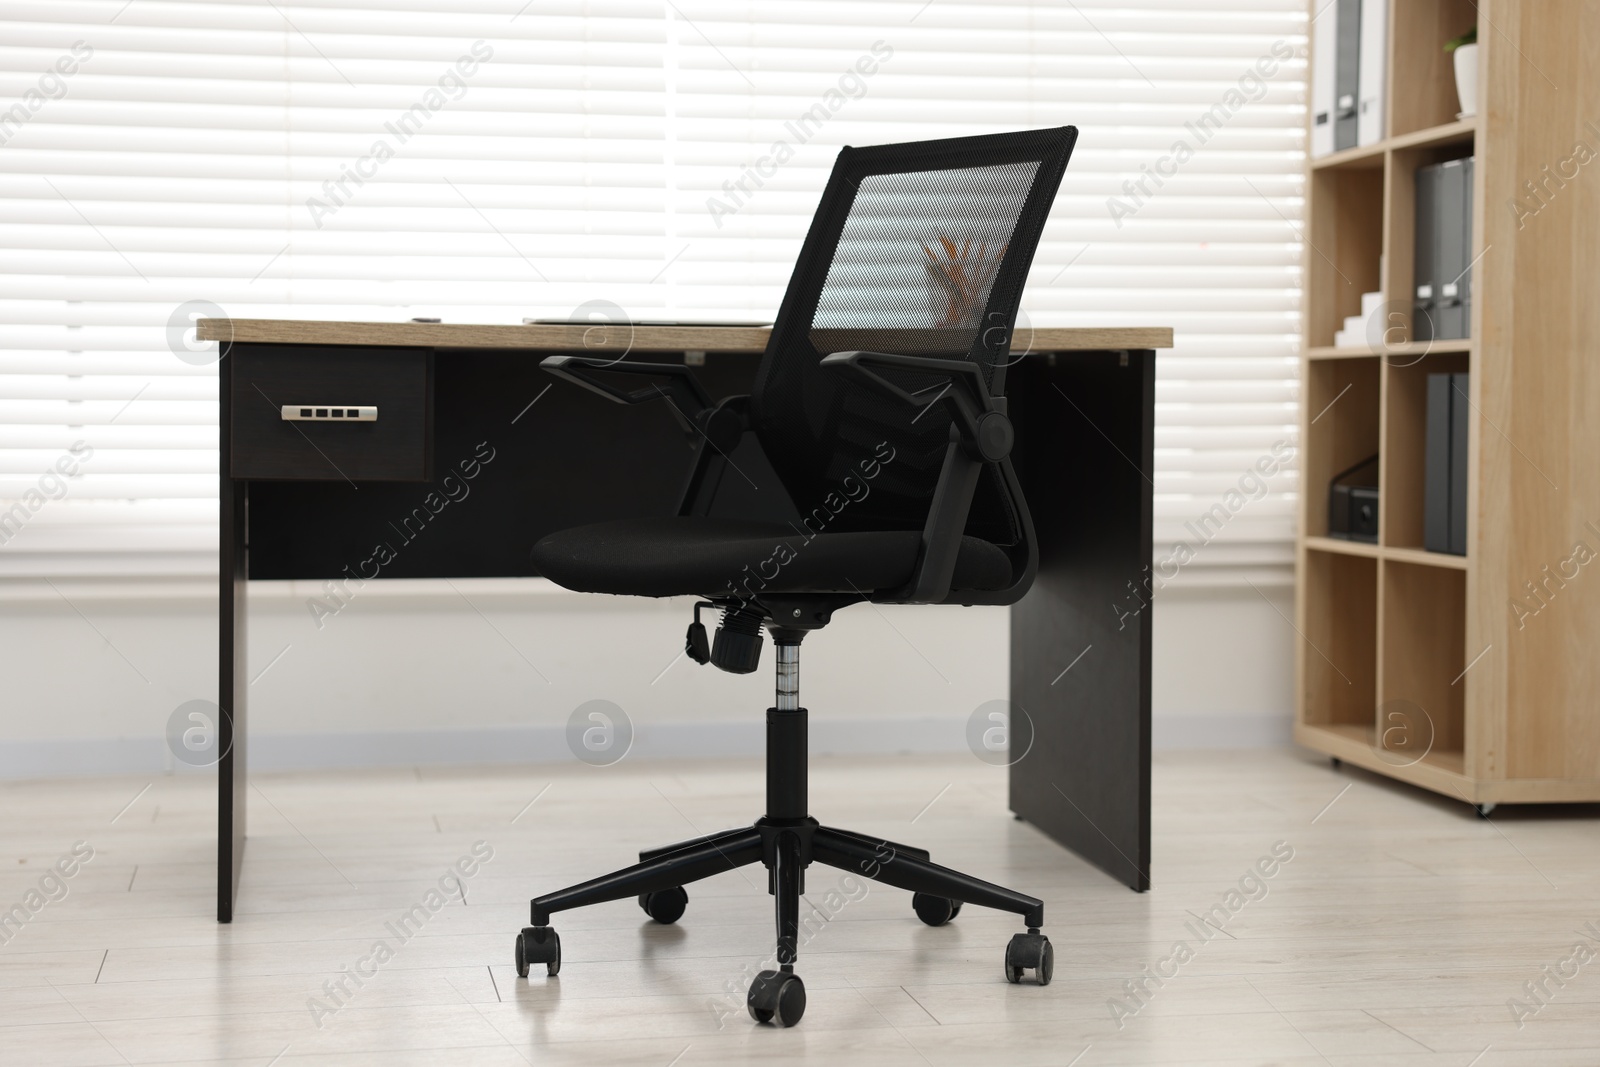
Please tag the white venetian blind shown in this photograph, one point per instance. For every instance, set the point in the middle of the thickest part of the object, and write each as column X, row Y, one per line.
column 485, row 160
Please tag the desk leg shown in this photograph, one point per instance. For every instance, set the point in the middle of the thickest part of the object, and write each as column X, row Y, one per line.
column 232, row 675
column 1084, row 456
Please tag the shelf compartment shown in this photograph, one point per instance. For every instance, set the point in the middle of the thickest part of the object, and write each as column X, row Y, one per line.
column 1424, row 558
column 1341, row 547
column 1422, row 690
column 1455, row 132
column 1344, row 246
column 1452, row 760
column 1364, row 157
column 1438, row 771
column 1402, row 555
column 1422, row 78
column 1371, row 156
column 1351, row 741
column 1404, row 459
column 1340, row 627
column 1393, row 352
column 1339, row 353
column 1342, row 429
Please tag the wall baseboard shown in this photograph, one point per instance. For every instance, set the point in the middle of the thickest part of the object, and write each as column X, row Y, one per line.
column 547, row 744
column 1215, row 730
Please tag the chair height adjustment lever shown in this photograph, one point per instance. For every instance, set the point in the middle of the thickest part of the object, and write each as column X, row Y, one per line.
column 696, row 644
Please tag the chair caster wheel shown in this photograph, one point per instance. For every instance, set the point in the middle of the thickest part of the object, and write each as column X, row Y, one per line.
column 1030, row 951
column 935, row 911
column 777, row 997
column 538, row 944
column 1483, row 810
column 665, row 905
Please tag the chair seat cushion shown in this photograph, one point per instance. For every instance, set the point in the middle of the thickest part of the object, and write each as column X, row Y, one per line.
column 681, row 556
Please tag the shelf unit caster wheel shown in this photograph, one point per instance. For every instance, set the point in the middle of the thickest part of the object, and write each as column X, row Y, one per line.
column 665, row 905
column 1335, row 762
column 777, row 997
column 538, row 944
column 1030, row 951
column 1483, row 810
column 935, row 911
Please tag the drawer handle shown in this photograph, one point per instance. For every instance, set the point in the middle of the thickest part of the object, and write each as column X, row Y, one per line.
column 326, row 413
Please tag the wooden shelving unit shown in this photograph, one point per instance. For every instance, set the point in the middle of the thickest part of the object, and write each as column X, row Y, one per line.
column 1476, row 676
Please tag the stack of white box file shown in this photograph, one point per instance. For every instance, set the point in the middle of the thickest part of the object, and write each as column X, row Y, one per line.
column 1367, row 329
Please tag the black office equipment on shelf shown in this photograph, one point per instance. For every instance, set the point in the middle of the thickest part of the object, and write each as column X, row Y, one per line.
column 1441, row 309
column 1460, row 416
column 1444, row 481
column 1436, row 466
column 1424, row 321
column 1347, row 76
column 1353, row 503
column 1465, row 279
column 1450, row 236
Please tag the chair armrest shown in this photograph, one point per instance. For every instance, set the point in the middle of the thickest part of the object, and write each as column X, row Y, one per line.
column 721, row 428
column 980, row 419
column 712, row 429
column 980, row 433
column 675, row 383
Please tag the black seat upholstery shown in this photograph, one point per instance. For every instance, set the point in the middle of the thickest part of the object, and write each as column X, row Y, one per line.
column 701, row 556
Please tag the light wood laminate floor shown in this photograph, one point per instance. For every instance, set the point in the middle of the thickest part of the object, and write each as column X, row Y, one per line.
column 1400, row 931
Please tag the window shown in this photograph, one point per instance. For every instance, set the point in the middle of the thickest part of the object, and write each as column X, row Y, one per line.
column 486, row 160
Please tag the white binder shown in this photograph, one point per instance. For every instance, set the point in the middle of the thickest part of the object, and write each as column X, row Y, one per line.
column 1373, row 98
column 1324, row 58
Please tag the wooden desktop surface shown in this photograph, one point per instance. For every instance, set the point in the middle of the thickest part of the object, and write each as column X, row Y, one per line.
column 559, row 338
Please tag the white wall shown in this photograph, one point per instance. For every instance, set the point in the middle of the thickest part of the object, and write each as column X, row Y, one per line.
column 412, row 672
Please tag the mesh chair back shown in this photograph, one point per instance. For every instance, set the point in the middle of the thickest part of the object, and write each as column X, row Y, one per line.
column 918, row 248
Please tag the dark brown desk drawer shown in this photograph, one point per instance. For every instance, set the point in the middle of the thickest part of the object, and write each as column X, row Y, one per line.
column 396, row 446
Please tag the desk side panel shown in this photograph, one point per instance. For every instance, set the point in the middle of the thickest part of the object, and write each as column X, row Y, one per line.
column 232, row 673
column 1080, row 639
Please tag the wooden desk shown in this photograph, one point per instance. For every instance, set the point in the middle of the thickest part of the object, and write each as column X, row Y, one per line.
column 1082, row 400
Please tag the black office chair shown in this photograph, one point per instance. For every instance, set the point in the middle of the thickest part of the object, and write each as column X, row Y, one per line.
column 880, row 405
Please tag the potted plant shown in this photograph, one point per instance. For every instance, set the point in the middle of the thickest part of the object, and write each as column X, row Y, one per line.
column 1465, row 49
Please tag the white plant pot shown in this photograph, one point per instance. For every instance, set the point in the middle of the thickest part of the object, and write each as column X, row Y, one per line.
column 1466, row 61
